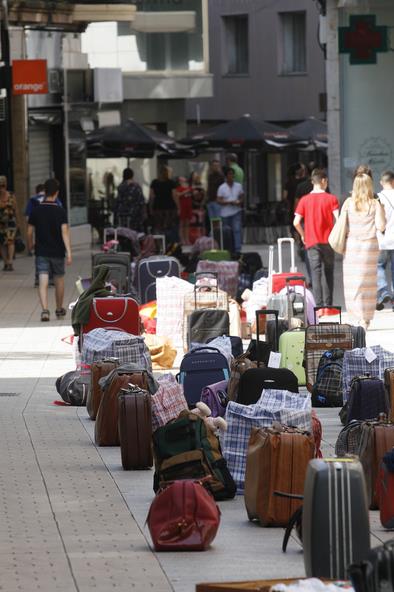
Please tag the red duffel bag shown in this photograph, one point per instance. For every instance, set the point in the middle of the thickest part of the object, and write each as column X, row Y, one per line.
column 183, row 517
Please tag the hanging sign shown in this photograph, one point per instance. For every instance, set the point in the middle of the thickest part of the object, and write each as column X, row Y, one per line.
column 363, row 39
column 29, row 77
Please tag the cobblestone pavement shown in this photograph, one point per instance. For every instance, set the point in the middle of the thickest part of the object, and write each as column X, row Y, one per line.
column 70, row 518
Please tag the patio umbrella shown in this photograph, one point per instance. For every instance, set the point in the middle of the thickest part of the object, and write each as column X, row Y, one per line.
column 312, row 130
column 244, row 133
column 130, row 140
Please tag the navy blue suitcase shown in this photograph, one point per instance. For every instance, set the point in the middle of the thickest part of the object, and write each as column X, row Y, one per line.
column 199, row 368
column 150, row 269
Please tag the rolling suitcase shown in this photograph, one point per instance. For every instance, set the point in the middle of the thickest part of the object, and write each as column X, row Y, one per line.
column 335, row 519
column 149, row 270
column 219, row 254
column 120, row 269
column 114, row 313
column 277, row 460
column 207, row 323
column 389, row 386
column 278, row 279
column 98, row 370
column 106, row 427
column 200, row 368
column 292, row 342
column 135, row 428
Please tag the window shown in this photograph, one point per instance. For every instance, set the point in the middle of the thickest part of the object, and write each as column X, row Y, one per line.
column 293, row 26
column 236, row 44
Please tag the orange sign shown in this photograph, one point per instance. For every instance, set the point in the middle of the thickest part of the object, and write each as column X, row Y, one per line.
column 29, row 77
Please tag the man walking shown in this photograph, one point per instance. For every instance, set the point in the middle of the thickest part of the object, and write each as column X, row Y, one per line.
column 318, row 209
column 230, row 197
column 386, row 241
column 130, row 208
column 48, row 222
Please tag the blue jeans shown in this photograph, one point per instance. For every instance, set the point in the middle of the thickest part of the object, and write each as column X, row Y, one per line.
column 213, row 209
column 235, row 223
column 383, row 288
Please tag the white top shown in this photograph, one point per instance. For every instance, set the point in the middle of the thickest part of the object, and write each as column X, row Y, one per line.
column 386, row 239
column 230, row 194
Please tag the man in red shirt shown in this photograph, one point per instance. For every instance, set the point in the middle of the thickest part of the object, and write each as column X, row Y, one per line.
column 319, row 210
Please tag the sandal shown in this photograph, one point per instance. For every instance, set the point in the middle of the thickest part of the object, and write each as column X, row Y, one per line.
column 60, row 312
column 45, row 315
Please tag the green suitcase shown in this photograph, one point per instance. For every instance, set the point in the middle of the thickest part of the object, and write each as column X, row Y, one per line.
column 291, row 348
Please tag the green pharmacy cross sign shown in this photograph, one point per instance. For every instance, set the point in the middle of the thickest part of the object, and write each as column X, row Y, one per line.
column 363, row 39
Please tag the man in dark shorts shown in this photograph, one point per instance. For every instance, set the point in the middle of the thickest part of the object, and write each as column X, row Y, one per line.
column 48, row 222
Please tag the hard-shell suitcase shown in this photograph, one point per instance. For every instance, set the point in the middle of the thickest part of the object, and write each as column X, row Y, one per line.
column 135, row 428
column 106, row 427
column 277, row 460
column 120, row 269
column 98, row 370
column 292, row 349
column 385, row 490
column 335, row 519
column 148, row 270
column 114, row 313
column 207, row 323
column 376, row 439
column 200, row 368
column 278, row 280
column 389, row 386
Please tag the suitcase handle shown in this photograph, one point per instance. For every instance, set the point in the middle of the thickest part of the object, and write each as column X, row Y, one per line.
column 338, row 308
column 214, row 349
column 291, row 241
column 293, row 278
column 265, row 312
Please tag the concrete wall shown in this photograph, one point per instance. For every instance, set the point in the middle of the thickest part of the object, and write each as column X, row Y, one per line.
column 264, row 92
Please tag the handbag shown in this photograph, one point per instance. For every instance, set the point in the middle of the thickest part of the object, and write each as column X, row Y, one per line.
column 183, row 517
column 337, row 237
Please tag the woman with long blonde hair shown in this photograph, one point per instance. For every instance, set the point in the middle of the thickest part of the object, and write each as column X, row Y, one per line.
column 365, row 216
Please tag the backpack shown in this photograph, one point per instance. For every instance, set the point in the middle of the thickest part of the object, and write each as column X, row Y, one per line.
column 199, row 368
column 327, row 390
column 186, row 449
column 367, row 398
column 73, row 388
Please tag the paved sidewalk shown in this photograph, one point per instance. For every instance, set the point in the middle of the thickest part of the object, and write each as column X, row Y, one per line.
column 70, row 518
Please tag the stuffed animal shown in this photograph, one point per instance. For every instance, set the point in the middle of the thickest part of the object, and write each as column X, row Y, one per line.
column 213, row 423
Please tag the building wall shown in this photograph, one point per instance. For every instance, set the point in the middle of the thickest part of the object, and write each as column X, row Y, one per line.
column 264, row 92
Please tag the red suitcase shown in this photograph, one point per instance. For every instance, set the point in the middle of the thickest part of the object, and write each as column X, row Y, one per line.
column 114, row 313
column 279, row 279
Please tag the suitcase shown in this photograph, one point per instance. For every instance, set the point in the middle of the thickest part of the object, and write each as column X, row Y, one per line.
column 292, row 342
column 135, row 428
column 359, row 337
column 151, row 268
column 389, row 386
column 385, row 490
column 106, row 427
column 255, row 380
column 200, row 368
column 207, row 323
column 321, row 337
column 98, row 370
column 367, row 399
column 335, row 519
column 376, row 439
column 278, row 280
column 227, row 271
column 223, row 234
column 120, row 269
column 114, row 313
column 276, row 461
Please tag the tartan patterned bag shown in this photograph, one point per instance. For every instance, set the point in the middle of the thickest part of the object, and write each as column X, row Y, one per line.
column 327, row 390
column 274, row 405
column 168, row 401
column 355, row 364
column 100, row 344
column 228, row 273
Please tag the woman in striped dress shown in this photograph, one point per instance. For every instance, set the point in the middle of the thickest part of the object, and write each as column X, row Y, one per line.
column 365, row 216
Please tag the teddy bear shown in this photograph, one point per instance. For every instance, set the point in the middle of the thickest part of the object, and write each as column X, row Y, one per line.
column 214, row 423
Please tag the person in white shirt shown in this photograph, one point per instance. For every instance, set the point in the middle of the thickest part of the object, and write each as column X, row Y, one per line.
column 386, row 241
column 230, row 198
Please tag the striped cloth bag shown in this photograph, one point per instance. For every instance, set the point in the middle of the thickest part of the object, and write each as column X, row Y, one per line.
column 100, row 344
column 168, row 401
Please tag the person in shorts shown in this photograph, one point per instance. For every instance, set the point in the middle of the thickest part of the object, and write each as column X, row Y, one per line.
column 48, row 229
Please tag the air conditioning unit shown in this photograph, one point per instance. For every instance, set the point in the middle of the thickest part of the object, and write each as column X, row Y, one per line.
column 55, row 81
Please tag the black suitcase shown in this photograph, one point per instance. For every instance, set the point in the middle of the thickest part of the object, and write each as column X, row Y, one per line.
column 205, row 324
column 335, row 519
column 254, row 380
column 120, row 269
column 150, row 269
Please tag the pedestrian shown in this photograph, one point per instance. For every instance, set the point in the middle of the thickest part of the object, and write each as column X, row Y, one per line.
column 48, row 233
column 8, row 224
column 230, row 198
column 386, row 241
column 130, row 209
column 317, row 210
column 215, row 179
column 232, row 162
column 162, row 200
column 184, row 200
column 365, row 216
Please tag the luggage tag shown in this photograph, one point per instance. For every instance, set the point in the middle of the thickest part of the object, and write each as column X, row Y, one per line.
column 274, row 360
column 370, row 356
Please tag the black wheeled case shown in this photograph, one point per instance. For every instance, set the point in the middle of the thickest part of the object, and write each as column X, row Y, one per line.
column 120, row 269
column 150, row 269
column 335, row 519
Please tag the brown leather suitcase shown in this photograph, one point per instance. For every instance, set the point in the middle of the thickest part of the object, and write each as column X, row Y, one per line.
column 277, row 460
column 97, row 371
column 135, row 428
column 376, row 439
column 389, row 386
column 106, row 428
